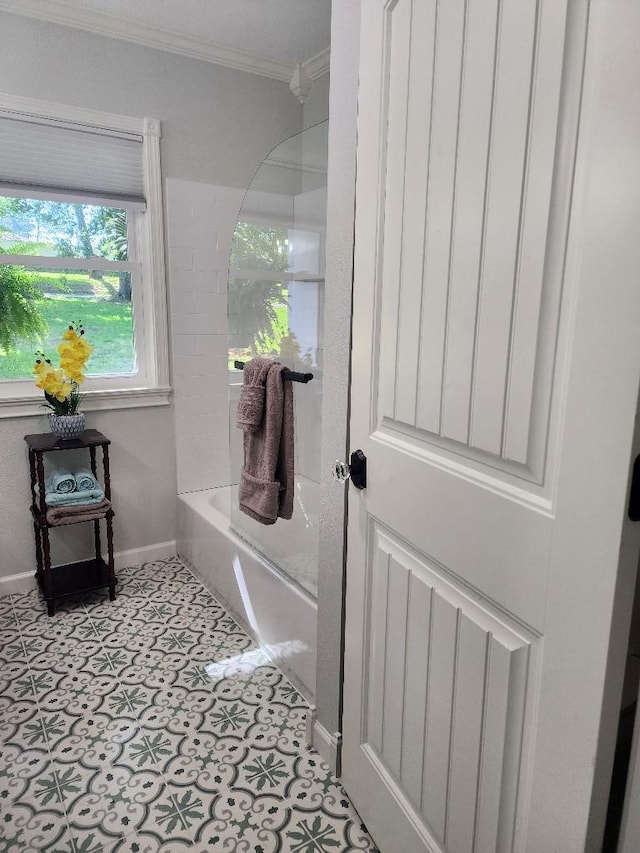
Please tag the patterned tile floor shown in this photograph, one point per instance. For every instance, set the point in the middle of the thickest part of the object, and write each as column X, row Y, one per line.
column 154, row 723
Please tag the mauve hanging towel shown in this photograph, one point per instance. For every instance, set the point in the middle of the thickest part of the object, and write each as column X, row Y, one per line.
column 251, row 404
column 266, row 482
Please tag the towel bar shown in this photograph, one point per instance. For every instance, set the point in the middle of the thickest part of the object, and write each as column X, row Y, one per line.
column 291, row 375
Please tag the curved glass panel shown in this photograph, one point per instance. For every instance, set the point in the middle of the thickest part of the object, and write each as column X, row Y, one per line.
column 276, row 302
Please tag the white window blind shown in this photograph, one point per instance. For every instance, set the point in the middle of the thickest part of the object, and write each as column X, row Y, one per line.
column 42, row 153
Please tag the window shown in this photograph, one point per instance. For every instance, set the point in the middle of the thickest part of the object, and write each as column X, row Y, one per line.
column 81, row 240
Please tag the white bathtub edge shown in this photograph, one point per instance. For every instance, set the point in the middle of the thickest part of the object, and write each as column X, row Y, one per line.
column 284, row 615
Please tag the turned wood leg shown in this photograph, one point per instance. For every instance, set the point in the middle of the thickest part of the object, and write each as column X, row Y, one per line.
column 38, row 538
column 111, row 568
column 48, row 579
column 96, row 537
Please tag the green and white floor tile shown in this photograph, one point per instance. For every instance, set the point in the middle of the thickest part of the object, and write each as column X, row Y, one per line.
column 154, row 723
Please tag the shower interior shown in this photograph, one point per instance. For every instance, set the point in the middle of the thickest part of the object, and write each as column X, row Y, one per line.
column 276, row 308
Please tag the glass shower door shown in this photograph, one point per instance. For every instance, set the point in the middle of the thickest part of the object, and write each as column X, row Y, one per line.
column 276, row 306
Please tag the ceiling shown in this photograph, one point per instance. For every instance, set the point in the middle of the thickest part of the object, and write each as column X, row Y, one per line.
column 267, row 37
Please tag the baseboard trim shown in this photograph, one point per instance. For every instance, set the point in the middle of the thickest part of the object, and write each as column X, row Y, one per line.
column 135, row 556
column 26, row 581
column 329, row 746
column 13, row 584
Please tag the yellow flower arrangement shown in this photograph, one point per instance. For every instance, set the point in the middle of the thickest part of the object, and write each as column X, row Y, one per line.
column 61, row 385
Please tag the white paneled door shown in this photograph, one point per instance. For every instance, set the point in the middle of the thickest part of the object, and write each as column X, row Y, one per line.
column 496, row 361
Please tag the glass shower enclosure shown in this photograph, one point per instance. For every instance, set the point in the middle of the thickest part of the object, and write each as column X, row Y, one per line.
column 276, row 307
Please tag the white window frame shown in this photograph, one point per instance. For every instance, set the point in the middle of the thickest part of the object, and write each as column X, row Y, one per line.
column 149, row 386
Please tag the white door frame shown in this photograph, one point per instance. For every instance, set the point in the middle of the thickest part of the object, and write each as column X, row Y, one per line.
column 343, row 105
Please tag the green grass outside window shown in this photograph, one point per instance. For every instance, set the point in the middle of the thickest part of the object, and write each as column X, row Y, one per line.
column 108, row 326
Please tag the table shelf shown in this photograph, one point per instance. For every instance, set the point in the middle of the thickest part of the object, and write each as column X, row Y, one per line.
column 60, row 581
column 77, row 578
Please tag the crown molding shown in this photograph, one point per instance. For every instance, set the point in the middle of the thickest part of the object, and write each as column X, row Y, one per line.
column 318, row 64
column 107, row 25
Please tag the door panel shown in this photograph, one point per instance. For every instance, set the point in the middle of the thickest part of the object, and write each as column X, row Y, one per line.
column 502, row 538
column 477, row 575
column 444, row 704
column 464, row 227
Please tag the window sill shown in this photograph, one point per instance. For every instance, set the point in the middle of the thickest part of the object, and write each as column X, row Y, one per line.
column 131, row 398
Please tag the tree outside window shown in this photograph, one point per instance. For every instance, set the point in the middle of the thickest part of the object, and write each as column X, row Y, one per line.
column 257, row 290
column 63, row 261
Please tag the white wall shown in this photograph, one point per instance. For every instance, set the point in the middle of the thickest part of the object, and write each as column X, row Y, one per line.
column 200, row 220
column 143, row 484
column 217, row 124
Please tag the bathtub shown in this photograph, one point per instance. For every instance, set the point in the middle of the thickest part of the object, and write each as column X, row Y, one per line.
column 279, row 613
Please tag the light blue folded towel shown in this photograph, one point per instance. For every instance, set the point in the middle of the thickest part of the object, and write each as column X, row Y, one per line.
column 85, row 480
column 86, row 497
column 61, row 482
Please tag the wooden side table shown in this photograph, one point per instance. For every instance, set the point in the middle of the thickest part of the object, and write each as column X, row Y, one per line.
column 72, row 578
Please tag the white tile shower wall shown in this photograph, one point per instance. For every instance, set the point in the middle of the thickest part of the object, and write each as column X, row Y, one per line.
column 201, row 219
column 306, row 319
